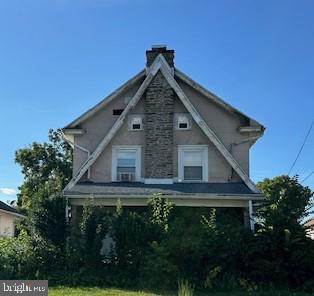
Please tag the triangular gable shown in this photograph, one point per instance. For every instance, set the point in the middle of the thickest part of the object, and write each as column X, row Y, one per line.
column 208, row 94
column 102, row 104
column 161, row 64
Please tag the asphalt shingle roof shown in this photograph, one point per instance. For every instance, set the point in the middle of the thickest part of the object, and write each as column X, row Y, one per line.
column 134, row 188
column 5, row 207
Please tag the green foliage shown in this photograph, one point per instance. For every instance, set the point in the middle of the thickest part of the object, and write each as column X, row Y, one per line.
column 154, row 246
column 158, row 267
column 46, row 167
column 27, row 257
column 287, row 202
column 93, row 227
column 211, row 277
column 159, row 210
column 282, row 250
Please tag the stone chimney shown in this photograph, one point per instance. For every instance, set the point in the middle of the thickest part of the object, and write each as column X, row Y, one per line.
column 156, row 50
column 158, row 120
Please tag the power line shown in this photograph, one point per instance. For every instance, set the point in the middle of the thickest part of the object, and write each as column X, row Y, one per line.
column 308, row 176
column 307, row 135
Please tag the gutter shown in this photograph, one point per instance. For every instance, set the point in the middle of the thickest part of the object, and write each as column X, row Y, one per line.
column 173, row 196
column 72, row 144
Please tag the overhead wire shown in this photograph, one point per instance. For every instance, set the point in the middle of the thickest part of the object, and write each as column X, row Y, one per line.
column 301, row 148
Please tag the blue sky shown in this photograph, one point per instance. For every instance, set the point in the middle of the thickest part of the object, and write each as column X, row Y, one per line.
column 60, row 57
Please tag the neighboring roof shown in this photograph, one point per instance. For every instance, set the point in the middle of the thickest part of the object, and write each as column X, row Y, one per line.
column 309, row 222
column 140, row 189
column 8, row 209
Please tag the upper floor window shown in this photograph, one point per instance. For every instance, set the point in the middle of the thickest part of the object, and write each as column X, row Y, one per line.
column 193, row 163
column 126, row 163
column 135, row 122
column 182, row 121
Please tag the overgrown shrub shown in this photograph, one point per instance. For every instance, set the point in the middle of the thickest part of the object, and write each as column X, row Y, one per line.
column 28, row 257
column 154, row 246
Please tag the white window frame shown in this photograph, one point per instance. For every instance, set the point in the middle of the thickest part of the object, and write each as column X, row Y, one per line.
column 126, row 148
column 197, row 148
column 132, row 118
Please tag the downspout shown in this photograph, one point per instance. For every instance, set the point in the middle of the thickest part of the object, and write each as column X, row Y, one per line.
column 72, row 144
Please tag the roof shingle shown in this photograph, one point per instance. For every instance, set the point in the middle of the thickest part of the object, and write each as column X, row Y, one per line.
column 136, row 188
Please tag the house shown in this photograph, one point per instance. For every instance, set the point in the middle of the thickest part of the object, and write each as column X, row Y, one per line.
column 162, row 132
column 309, row 224
column 8, row 218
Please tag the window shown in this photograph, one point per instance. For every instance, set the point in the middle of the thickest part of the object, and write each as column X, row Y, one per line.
column 182, row 121
column 135, row 122
column 126, row 163
column 193, row 163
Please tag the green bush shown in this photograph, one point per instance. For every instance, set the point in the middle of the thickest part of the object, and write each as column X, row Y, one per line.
column 154, row 246
column 27, row 257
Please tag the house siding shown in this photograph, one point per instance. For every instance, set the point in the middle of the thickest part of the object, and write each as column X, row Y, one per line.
column 222, row 122
column 6, row 225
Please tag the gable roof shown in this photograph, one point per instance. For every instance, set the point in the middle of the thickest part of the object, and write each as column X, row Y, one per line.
column 140, row 76
column 9, row 210
column 160, row 64
column 211, row 96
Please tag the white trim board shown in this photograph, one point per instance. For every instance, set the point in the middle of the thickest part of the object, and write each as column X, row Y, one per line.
column 158, row 181
column 161, row 64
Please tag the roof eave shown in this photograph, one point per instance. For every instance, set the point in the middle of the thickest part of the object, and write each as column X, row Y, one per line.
column 13, row 213
column 225, row 196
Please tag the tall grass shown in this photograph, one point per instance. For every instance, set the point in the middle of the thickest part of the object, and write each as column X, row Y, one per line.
column 185, row 289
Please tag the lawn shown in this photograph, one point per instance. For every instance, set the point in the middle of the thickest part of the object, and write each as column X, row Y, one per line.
column 62, row 291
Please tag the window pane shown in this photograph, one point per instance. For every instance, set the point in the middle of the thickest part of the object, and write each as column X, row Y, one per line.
column 126, row 159
column 192, row 158
column 130, row 170
column 125, row 162
column 193, row 173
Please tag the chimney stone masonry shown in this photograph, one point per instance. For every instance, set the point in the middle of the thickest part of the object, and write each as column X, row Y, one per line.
column 159, row 108
column 155, row 51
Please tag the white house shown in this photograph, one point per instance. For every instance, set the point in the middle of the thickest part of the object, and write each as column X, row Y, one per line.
column 8, row 218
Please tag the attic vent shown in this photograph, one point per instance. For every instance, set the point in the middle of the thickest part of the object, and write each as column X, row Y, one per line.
column 117, row 111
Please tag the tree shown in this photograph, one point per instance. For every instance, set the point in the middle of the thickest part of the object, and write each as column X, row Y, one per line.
column 287, row 202
column 282, row 251
column 47, row 168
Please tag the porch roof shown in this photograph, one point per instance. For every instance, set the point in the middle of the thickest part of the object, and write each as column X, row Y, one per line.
column 141, row 189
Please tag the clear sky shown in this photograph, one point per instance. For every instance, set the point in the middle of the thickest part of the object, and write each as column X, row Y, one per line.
column 60, row 57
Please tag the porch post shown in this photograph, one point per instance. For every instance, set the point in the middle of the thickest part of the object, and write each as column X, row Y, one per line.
column 251, row 216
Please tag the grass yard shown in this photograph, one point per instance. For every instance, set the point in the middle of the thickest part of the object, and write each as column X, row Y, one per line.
column 63, row 291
